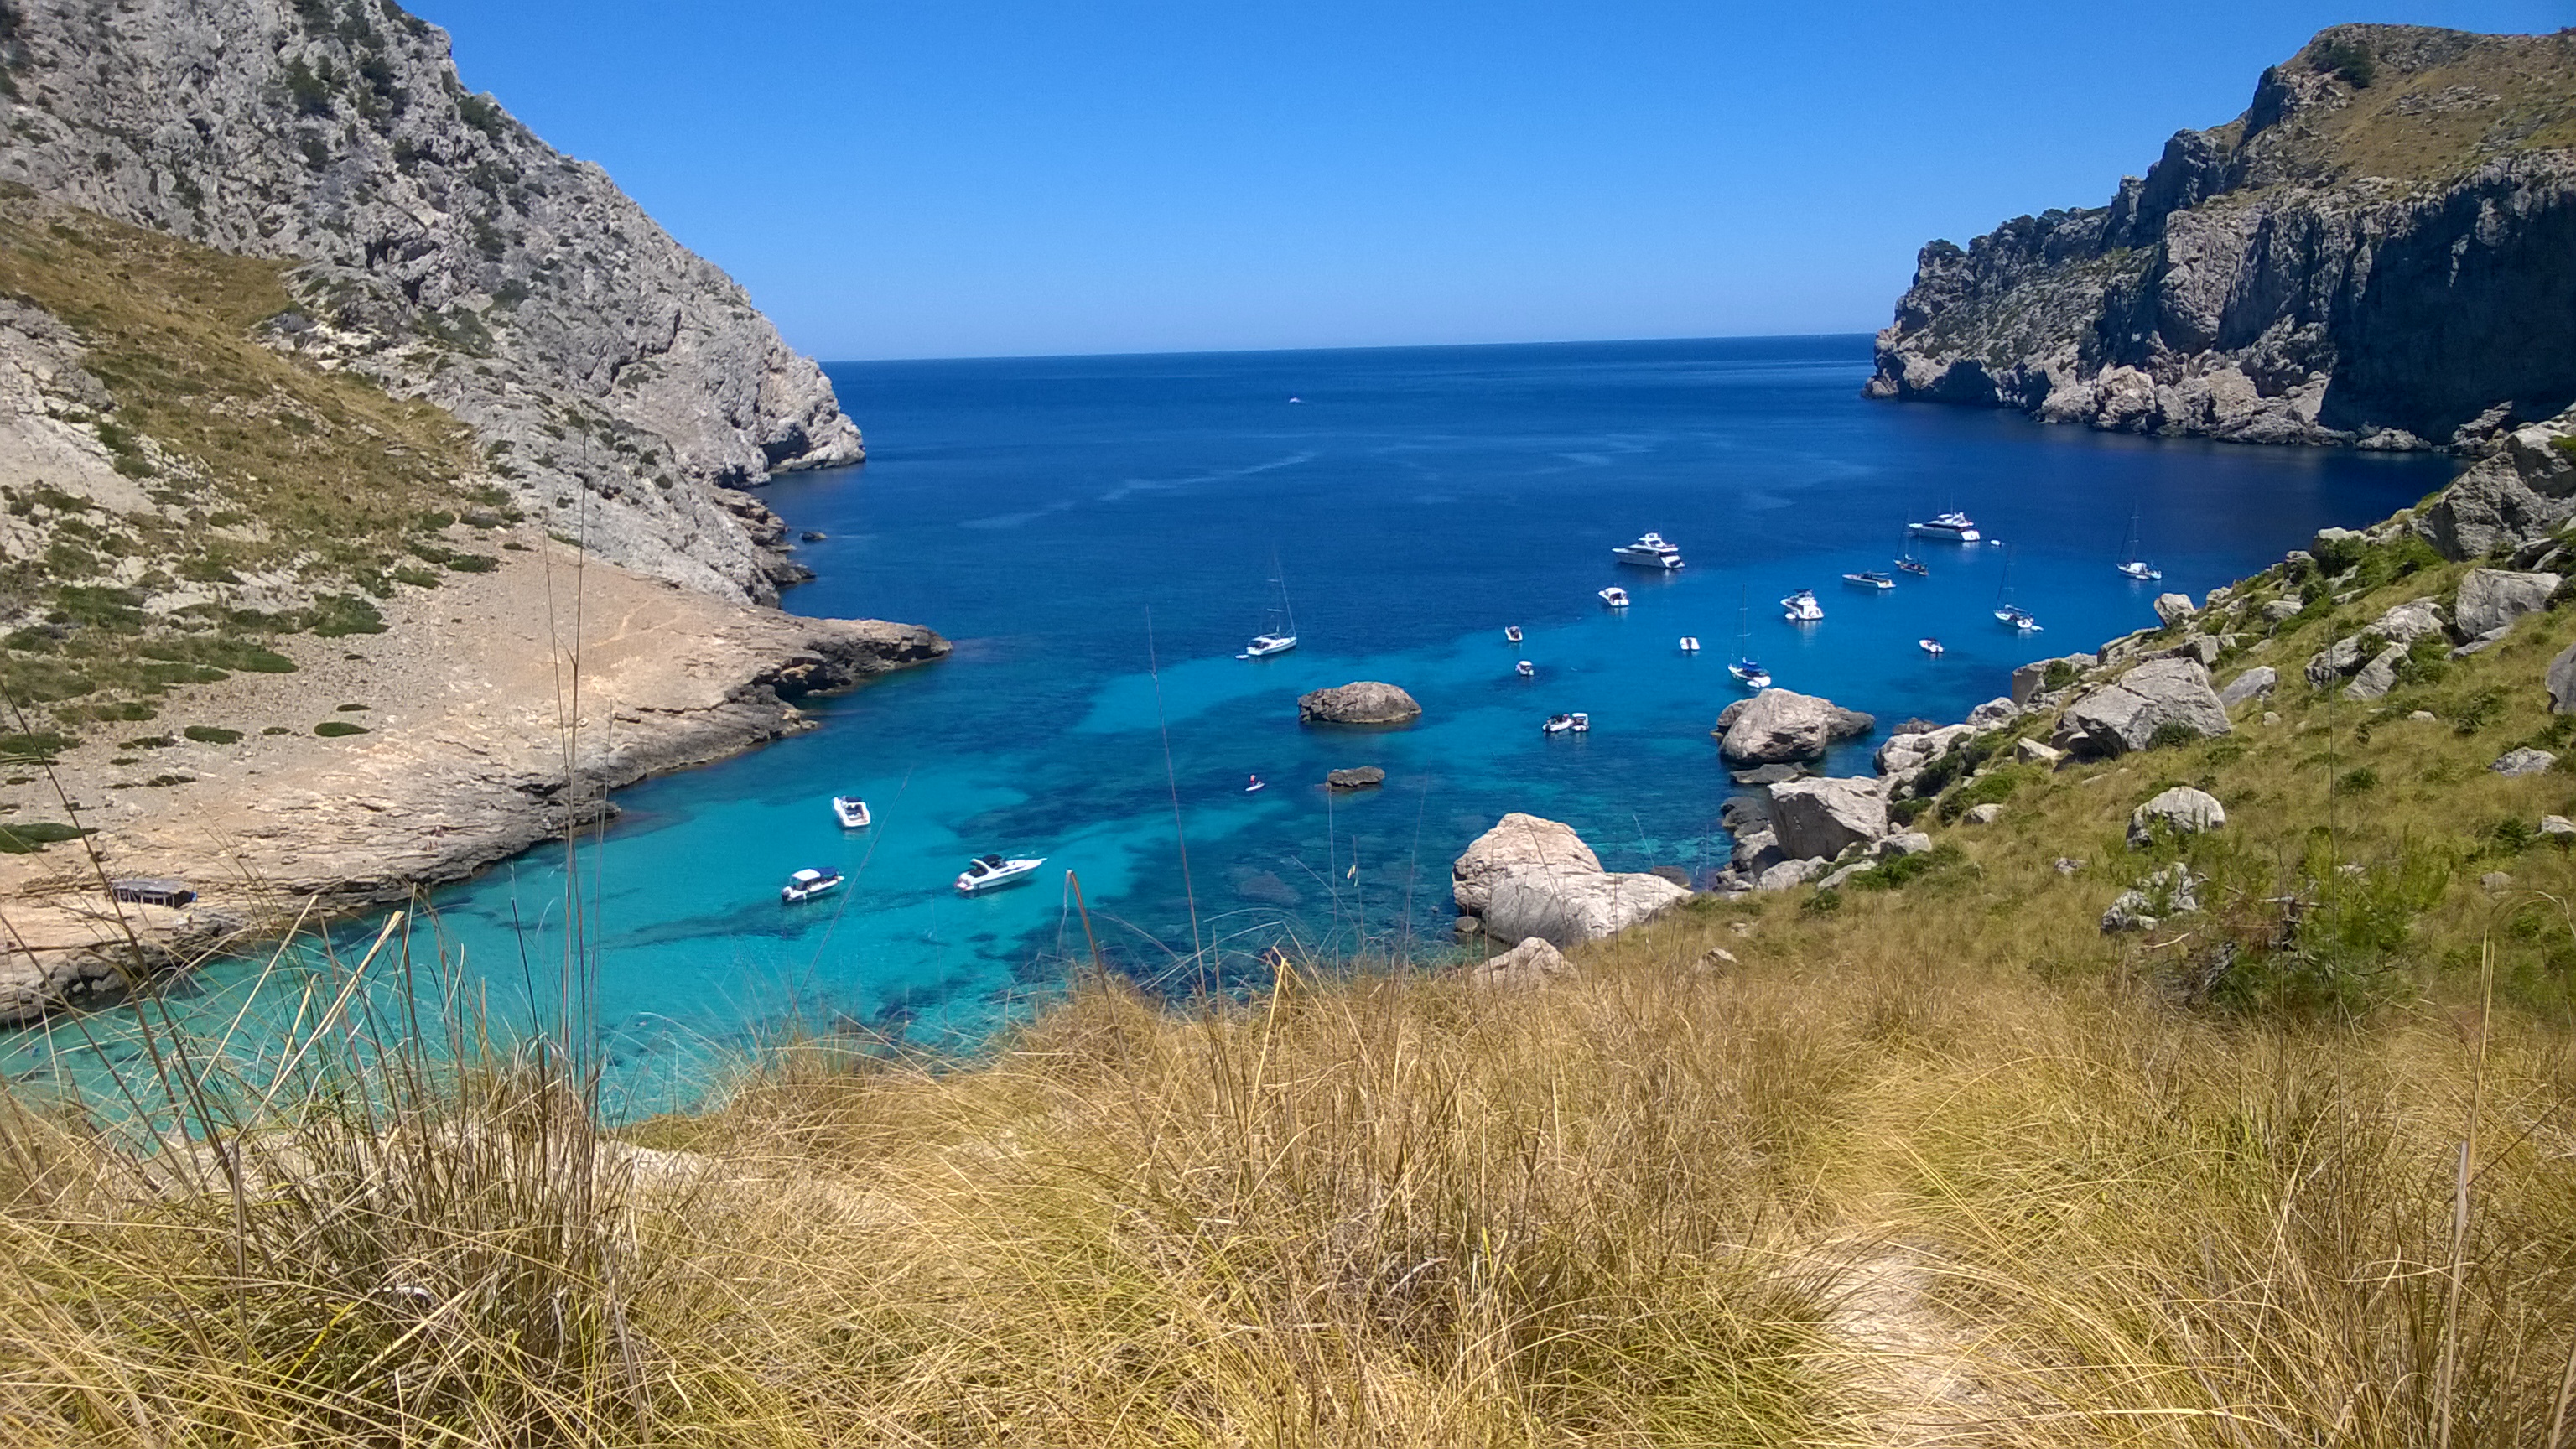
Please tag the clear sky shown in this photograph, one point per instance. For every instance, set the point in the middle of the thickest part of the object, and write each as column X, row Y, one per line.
column 923, row 178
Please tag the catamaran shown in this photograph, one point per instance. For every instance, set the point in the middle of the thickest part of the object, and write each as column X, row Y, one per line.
column 1955, row 526
column 2131, row 565
column 1649, row 551
column 987, row 871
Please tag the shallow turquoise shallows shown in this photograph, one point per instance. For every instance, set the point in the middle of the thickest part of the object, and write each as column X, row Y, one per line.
column 1098, row 536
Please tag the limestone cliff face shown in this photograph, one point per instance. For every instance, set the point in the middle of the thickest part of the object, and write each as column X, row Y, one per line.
column 2381, row 251
column 626, row 388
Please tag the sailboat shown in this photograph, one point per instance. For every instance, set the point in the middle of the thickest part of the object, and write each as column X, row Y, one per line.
column 2008, row 613
column 1907, row 563
column 1747, row 672
column 1275, row 641
column 2131, row 565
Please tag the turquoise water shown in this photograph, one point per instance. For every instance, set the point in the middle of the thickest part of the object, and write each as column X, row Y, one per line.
column 1098, row 536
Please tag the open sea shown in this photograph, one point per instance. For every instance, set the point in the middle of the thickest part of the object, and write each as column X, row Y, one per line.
column 1101, row 535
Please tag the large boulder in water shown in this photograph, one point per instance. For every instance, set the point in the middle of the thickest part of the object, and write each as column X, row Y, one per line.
column 2126, row 714
column 1362, row 702
column 1782, row 726
column 1518, row 842
column 1819, row 819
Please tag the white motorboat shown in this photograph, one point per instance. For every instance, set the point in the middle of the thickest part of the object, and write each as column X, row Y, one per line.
column 987, row 871
column 1511, row 633
column 1615, row 596
column 1931, row 647
column 1869, row 579
column 1954, row 526
column 1265, row 645
column 1649, row 551
column 1567, row 724
column 1525, row 669
column 1750, row 674
column 808, row 883
column 1801, row 607
column 1690, row 643
column 2132, row 566
column 851, row 811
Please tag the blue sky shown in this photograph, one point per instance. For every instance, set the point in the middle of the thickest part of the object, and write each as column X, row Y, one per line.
column 923, row 178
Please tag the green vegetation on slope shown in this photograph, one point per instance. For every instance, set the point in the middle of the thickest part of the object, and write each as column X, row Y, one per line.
column 2478, row 98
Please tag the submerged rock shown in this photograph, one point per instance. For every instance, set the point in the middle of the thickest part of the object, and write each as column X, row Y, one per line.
column 1359, row 778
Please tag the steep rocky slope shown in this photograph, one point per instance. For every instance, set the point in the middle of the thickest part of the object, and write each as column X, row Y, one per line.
column 624, row 390
column 2380, row 251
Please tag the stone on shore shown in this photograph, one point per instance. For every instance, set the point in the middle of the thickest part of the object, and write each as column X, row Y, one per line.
column 1780, row 726
column 1532, row 963
column 1359, row 778
column 1916, row 749
column 1994, row 714
column 2032, row 678
column 2491, row 599
column 2127, row 714
column 2181, row 810
column 1824, row 817
column 1571, row 906
column 1517, row 842
column 1362, row 702
column 2174, row 608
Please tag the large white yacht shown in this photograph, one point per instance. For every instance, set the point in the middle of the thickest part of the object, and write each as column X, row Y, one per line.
column 1265, row 645
column 1649, row 551
column 987, row 871
column 1954, row 526
column 1801, row 607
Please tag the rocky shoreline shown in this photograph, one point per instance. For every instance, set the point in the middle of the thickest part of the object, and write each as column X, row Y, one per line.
column 459, row 745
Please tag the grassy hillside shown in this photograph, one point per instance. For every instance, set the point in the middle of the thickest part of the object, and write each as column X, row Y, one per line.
column 1926, row 1159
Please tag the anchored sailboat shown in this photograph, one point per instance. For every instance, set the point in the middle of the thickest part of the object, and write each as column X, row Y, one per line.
column 2131, row 564
column 1275, row 640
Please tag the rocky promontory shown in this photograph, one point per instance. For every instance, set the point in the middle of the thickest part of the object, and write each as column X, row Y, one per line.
column 2380, row 251
column 1361, row 702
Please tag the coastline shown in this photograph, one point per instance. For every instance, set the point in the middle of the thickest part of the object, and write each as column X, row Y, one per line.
column 470, row 750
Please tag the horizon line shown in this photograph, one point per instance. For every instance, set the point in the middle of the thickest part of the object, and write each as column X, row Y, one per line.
column 821, row 361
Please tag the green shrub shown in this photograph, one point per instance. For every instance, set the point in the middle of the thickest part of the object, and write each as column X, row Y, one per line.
column 1992, row 788
column 336, row 616
column 211, row 734
column 332, row 729
column 2354, row 781
column 2058, row 675
column 1896, row 870
column 2347, row 57
column 36, row 748
column 34, row 835
column 2170, row 734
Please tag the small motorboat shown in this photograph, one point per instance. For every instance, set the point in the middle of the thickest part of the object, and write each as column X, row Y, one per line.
column 1567, row 724
column 1750, row 674
column 1649, row 551
column 851, row 811
column 1525, row 669
column 988, row 871
column 1615, row 596
column 1954, row 526
column 1914, row 566
column 808, row 883
column 1265, row 645
column 1690, row 643
column 1801, row 607
column 1869, row 579
column 1255, row 785
column 1931, row 647
column 1511, row 633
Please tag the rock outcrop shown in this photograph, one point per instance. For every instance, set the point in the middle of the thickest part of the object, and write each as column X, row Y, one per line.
column 624, row 388
column 1362, row 777
column 2172, row 891
column 2380, row 251
column 1819, row 819
column 1533, row 877
column 2491, row 599
column 1362, row 702
column 1780, row 726
column 2181, row 810
column 2127, row 714
column 1531, row 964
column 2525, row 490
column 1516, row 843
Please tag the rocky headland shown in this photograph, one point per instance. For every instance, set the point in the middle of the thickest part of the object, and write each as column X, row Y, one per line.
column 2381, row 251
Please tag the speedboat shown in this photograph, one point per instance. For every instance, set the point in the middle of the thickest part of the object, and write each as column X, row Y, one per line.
column 1525, row 669
column 1567, row 724
column 1511, row 633
column 1869, row 579
column 1649, row 551
column 1801, row 607
column 1931, row 647
column 1914, row 566
column 1265, row 645
column 1690, row 643
column 987, row 871
column 1954, row 526
column 851, row 811
column 808, row 883
column 2139, row 569
column 1750, row 674
column 1615, row 596
column 2017, row 617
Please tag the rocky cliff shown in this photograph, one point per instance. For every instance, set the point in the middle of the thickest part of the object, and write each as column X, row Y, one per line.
column 2380, row 251
column 623, row 389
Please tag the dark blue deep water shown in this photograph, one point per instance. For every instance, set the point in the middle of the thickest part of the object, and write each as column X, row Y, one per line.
column 1074, row 522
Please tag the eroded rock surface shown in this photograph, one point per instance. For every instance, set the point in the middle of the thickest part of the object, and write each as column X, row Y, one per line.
column 2125, row 715
column 1781, row 726
column 1364, row 702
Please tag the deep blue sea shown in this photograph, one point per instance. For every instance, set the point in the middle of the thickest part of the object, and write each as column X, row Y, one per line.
column 1100, row 535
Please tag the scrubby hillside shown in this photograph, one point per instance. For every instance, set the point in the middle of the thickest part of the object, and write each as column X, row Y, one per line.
column 2381, row 250
column 622, row 388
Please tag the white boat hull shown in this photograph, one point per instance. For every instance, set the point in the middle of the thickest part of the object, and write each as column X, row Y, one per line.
column 851, row 812
column 1267, row 645
column 971, row 883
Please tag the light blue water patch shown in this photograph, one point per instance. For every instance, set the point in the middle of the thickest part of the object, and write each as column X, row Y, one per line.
column 1040, row 512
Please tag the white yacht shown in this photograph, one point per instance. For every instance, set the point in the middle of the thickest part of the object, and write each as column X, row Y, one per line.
column 1931, row 647
column 1750, row 674
column 1275, row 640
column 1567, row 724
column 1801, row 607
column 851, row 811
column 1870, row 579
column 1649, row 551
column 987, row 871
column 808, row 883
column 1615, row 596
column 2131, row 565
column 1511, row 633
column 1525, row 669
column 1954, row 526
column 1690, row 643
column 1265, row 645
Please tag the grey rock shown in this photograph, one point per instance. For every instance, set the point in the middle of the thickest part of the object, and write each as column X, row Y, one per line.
column 2203, row 648
column 1531, row 964
column 2126, row 714
column 1715, row 958
column 1983, row 814
column 445, row 251
column 1842, row 874
column 1993, row 714
column 2174, row 608
column 2491, row 599
column 2181, row 810
column 1767, row 774
column 2034, row 753
column 1570, row 907
column 1780, row 726
column 1824, row 817
column 2421, row 716
column 2066, row 865
column 2281, row 611
column 1361, row 702
column 2524, row 761
column 1744, row 812
column 2255, row 683
column 2521, row 493
column 2378, row 676
column 1757, row 850
column 2562, row 682
column 2557, row 825
column 2031, row 680
column 1358, row 778
column 2271, row 717
column 1911, row 842
column 1516, row 843
column 2329, row 540
column 2172, row 891
column 2495, row 880
column 1915, row 750
column 1787, row 874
